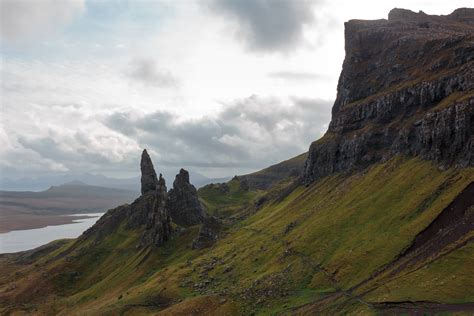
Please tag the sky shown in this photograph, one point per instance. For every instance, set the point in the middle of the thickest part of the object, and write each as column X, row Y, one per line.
column 220, row 87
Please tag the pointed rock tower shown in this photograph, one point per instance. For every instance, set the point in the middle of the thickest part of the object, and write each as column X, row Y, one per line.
column 147, row 213
column 149, row 179
column 153, row 199
column 183, row 202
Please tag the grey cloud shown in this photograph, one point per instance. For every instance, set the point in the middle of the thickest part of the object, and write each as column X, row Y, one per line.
column 25, row 19
column 47, row 147
column 268, row 25
column 252, row 132
column 146, row 71
column 248, row 134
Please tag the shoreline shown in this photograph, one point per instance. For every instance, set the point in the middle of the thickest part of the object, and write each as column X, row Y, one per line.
column 18, row 222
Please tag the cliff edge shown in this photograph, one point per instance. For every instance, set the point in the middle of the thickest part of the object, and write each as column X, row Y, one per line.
column 406, row 87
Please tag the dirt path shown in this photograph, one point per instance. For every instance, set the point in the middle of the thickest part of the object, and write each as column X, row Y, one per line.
column 422, row 308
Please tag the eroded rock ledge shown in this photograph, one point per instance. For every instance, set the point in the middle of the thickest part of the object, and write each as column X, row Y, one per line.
column 407, row 87
column 183, row 202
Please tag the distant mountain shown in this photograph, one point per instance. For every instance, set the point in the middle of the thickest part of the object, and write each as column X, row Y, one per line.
column 132, row 184
column 41, row 183
column 71, row 197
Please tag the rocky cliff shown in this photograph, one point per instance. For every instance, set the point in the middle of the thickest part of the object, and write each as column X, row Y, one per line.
column 154, row 210
column 149, row 180
column 406, row 87
column 183, row 202
column 158, row 222
column 148, row 212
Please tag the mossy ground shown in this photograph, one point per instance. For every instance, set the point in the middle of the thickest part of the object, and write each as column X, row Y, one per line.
column 288, row 257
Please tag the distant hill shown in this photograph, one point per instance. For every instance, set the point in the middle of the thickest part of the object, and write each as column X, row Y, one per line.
column 71, row 197
column 131, row 184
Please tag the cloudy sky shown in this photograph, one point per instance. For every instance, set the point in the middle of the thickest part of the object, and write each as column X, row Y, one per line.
column 220, row 87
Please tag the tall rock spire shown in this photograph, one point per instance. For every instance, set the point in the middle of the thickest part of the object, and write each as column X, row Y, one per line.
column 149, row 179
column 183, row 202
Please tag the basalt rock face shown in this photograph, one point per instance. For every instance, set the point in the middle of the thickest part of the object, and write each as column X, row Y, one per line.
column 149, row 180
column 147, row 213
column 158, row 222
column 407, row 87
column 183, row 202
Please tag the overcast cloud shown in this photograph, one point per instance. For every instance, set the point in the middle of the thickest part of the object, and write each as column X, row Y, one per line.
column 268, row 25
column 24, row 19
column 147, row 72
column 249, row 132
column 223, row 88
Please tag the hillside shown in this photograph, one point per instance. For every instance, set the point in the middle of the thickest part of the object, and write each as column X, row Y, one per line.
column 377, row 218
column 74, row 197
column 21, row 210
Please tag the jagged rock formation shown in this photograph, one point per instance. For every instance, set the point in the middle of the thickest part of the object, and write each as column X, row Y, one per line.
column 406, row 88
column 183, row 202
column 154, row 210
column 208, row 233
column 149, row 180
column 148, row 211
column 158, row 223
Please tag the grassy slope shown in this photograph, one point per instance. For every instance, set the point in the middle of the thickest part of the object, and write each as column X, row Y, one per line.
column 225, row 199
column 313, row 245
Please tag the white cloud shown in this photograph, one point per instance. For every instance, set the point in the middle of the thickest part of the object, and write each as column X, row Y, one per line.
column 26, row 19
column 147, row 72
column 56, row 96
column 251, row 132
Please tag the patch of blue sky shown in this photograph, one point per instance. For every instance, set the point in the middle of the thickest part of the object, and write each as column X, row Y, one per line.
column 103, row 29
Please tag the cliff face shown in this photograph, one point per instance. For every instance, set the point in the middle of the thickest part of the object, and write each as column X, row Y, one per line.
column 147, row 212
column 406, row 87
column 154, row 210
column 149, row 180
column 158, row 222
column 183, row 202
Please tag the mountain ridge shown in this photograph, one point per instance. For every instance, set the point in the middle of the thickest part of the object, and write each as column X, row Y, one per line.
column 393, row 100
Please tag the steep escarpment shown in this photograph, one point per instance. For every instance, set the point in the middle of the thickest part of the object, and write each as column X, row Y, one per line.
column 407, row 87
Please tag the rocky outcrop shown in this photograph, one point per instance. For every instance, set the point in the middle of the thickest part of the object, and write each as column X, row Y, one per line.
column 208, row 233
column 149, row 180
column 158, row 222
column 154, row 210
column 148, row 212
column 183, row 202
column 407, row 87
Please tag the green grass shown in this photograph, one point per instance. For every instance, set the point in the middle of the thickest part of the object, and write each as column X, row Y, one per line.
column 343, row 228
column 225, row 199
column 449, row 279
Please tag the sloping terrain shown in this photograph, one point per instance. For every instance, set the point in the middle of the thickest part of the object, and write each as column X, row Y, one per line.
column 342, row 244
column 63, row 199
column 379, row 221
column 27, row 210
